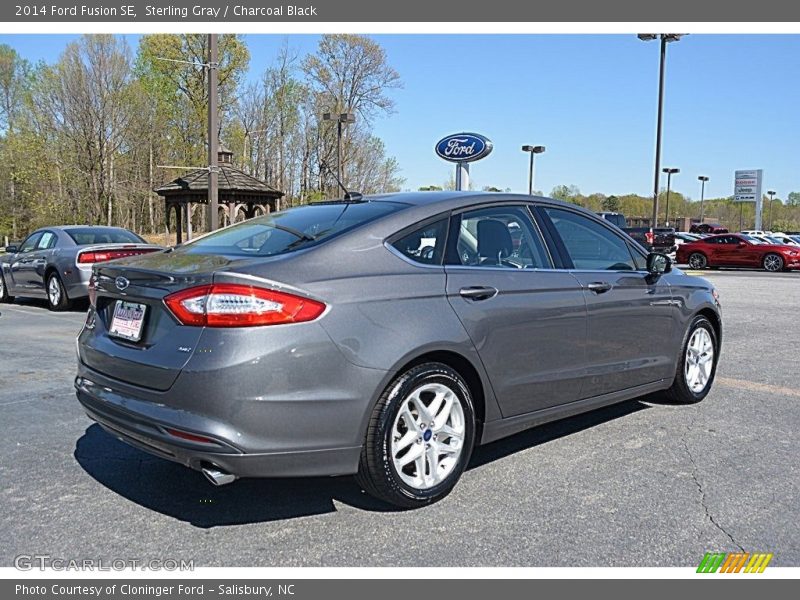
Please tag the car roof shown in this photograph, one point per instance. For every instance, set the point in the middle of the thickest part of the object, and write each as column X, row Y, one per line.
column 450, row 199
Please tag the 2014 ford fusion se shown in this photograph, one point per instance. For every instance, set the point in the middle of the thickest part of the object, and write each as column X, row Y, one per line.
column 386, row 337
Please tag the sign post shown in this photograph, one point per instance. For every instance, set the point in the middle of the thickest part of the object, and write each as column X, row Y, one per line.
column 462, row 149
column 747, row 188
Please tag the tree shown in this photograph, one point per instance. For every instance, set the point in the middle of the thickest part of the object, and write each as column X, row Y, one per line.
column 348, row 74
column 15, row 78
column 430, row 188
column 610, row 204
column 84, row 100
column 566, row 193
column 793, row 199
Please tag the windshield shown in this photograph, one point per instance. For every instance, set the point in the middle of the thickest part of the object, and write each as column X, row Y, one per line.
column 103, row 235
column 291, row 229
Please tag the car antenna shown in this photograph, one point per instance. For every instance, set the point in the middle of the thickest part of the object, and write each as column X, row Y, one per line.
column 350, row 196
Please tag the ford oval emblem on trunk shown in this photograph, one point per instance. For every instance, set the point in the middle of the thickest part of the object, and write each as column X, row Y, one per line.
column 464, row 147
column 121, row 283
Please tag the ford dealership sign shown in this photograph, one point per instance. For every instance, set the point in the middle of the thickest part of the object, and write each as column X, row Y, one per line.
column 464, row 147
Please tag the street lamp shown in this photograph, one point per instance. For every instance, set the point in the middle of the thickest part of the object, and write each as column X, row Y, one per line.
column 665, row 38
column 340, row 119
column 533, row 151
column 670, row 172
column 703, row 180
column 771, row 194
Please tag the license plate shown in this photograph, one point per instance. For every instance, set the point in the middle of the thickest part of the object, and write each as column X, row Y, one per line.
column 128, row 320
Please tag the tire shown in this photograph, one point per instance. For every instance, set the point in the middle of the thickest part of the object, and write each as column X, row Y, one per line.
column 390, row 440
column 772, row 263
column 57, row 299
column 698, row 260
column 686, row 388
column 4, row 297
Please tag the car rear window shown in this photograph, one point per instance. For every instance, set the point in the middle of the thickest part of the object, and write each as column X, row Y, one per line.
column 291, row 229
column 103, row 235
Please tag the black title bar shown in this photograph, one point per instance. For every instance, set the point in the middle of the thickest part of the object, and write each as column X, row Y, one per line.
column 141, row 11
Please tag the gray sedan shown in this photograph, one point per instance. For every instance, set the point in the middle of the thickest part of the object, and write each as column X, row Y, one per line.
column 386, row 336
column 55, row 263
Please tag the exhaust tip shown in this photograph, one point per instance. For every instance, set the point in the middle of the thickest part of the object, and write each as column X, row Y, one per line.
column 217, row 477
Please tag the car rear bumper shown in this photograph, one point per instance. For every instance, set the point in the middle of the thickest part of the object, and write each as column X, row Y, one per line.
column 146, row 425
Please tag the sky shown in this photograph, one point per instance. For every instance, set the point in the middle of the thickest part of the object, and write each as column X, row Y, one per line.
column 731, row 103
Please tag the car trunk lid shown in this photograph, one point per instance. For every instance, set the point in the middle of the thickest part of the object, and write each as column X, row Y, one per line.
column 155, row 360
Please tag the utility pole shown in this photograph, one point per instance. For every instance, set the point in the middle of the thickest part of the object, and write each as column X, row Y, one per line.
column 213, row 128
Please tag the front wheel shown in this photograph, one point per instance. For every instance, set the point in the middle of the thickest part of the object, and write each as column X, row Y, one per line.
column 56, row 294
column 420, row 437
column 698, row 260
column 698, row 364
column 773, row 263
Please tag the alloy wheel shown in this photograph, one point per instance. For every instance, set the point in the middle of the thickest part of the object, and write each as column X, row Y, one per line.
column 773, row 263
column 697, row 261
column 53, row 291
column 699, row 362
column 428, row 436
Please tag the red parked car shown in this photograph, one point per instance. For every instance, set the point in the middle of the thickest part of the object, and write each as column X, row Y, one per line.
column 738, row 250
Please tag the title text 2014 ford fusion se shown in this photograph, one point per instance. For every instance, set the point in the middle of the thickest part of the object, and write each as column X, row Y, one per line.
column 386, row 336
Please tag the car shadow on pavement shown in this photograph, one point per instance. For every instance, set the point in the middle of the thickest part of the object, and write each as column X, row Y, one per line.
column 80, row 305
column 176, row 491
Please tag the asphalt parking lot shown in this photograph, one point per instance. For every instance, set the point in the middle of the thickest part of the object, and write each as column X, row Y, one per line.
column 642, row 483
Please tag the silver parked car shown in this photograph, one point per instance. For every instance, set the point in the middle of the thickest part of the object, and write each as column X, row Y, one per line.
column 55, row 263
column 386, row 337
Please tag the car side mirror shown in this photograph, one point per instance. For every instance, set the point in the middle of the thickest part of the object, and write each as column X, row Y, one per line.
column 658, row 264
column 11, row 249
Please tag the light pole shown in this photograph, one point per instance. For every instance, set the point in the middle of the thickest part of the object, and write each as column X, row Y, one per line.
column 771, row 194
column 665, row 39
column 670, row 172
column 533, row 151
column 340, row 119
column 703, row 180
column 213, row 133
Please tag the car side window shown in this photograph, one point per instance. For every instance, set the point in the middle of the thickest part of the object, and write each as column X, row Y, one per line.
column 30, row 243
column 47, row 241
column 424, row 245
column 499, row 236
column 591, row 245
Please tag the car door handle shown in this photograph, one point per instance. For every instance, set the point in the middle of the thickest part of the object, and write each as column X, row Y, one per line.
column 599, row 287
column 478, row 292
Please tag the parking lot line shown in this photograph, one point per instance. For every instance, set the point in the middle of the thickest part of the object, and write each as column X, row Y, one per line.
column 752, row 386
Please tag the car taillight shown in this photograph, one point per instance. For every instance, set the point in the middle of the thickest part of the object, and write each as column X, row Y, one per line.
column 649, row 237
column 96, row 256
column 238, row 305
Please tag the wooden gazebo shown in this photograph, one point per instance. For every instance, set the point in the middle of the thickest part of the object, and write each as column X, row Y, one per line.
column 238, row 193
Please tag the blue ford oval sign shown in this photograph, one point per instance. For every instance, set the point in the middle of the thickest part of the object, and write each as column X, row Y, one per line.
column 464, row 147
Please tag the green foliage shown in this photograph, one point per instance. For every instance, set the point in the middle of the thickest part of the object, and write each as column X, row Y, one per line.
column 610, row 204
column 81, row 140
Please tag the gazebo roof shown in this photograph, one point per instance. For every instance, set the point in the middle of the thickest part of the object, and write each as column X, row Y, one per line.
column 230, row 181
column 232, row 184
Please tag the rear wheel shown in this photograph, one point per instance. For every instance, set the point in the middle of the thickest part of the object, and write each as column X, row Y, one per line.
column 772, row 263
column 4, row 297
column 698, row 364
column 698, row 260
column 56, row 294
column 419, row 438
